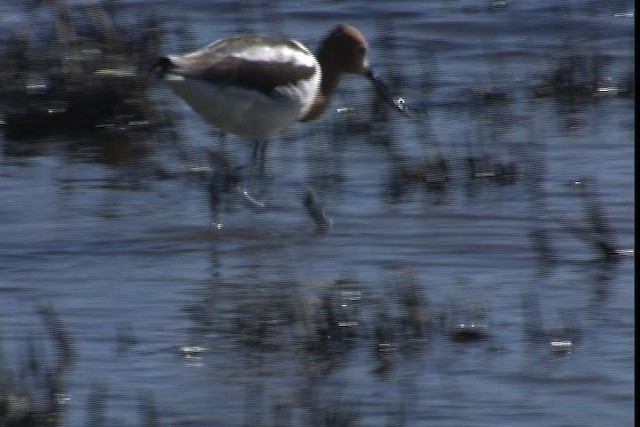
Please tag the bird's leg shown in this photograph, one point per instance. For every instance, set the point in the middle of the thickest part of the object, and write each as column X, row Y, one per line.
column 259, row 157
column 315, row 209
column 225, row 177
column 256, row 174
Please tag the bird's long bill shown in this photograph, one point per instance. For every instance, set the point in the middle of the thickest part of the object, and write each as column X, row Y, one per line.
column 383, row 90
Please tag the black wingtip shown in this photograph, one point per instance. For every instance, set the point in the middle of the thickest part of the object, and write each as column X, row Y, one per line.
column 163, row 64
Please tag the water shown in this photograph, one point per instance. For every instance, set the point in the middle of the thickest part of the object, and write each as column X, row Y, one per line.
column 115, row 231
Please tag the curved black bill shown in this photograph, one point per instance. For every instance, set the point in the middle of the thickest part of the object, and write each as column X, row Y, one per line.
column 397, row 102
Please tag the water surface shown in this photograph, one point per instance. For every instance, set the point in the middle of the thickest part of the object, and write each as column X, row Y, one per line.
column 115, row 231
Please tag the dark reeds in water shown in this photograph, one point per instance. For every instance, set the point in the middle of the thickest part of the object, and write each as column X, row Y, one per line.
column 317, row 328
column 594, row 229
column 86, row 71
column 34, row 393
column 580, row 77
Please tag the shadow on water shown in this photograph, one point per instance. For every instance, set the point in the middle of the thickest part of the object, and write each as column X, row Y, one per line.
column 292, row 344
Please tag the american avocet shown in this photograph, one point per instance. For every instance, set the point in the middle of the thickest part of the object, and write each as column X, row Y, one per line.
column 257, row 86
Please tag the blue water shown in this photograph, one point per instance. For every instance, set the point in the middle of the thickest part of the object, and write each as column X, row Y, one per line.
column 123, row 244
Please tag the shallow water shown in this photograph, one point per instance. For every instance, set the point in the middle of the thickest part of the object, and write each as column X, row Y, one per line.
column 115, row 230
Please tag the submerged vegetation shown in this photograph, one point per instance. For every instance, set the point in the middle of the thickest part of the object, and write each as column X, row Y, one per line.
column 80, row 71
column 34, row 393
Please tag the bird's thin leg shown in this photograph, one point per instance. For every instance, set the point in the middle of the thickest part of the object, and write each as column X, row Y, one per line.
column 260, row 157
column 255, row 187
column 215, row 198
column 225, row 176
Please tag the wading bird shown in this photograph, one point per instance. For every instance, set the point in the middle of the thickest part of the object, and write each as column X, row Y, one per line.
column 257, row 86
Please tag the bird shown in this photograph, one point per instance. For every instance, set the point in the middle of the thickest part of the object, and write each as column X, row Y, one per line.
column 256, row 86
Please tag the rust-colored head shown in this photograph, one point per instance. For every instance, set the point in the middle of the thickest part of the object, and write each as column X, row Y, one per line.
column 344, row 50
